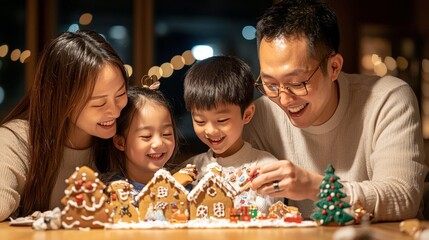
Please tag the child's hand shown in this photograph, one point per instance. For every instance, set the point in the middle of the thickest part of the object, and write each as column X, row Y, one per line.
column 245, row 185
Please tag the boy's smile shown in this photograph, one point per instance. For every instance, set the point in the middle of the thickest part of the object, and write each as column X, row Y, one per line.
column 220, row 128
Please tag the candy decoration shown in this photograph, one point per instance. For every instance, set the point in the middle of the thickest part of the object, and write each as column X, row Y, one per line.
column 88, row 185
column 79, row 198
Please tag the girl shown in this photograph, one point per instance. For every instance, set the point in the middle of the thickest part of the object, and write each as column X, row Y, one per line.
column 146, row 137
column 64, row 121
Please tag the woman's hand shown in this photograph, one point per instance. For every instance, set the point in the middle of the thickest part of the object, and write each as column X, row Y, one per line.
column 285, row 179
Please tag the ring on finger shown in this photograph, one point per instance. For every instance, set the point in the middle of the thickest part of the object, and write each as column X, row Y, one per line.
column 276, row 186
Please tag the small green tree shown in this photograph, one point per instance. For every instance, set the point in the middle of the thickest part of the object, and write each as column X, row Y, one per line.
column 330, row 206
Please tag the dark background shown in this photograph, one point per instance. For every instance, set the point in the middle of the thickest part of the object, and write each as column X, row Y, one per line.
column 155, row 31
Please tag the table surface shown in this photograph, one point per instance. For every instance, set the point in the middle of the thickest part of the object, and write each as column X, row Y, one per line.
column 383, row 231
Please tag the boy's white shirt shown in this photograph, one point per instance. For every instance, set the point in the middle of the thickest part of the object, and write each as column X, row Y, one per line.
column 234, row 170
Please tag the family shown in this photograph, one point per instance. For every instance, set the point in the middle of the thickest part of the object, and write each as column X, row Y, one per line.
column 81, row 110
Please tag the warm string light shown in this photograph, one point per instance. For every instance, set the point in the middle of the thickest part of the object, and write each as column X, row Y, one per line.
column 381, row 67
column 16, row 54
column 164, row 71
column 176, row 63
column 85, row 19
column 24, row 56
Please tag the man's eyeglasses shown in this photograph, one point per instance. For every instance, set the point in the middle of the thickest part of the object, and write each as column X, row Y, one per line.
column 273, row 90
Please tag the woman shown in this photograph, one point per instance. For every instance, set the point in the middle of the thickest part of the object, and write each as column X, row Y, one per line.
column 65, row 120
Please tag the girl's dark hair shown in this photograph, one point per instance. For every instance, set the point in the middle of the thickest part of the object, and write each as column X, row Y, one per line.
column 64, row 81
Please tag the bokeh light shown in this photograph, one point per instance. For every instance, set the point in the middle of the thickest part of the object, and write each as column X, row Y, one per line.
column 390, row 63
column 178, row 62
column 402, row 63
column 4, row 49
column 85, row 19
column 15, row 54
column 155, row 70
column 201, row 52
column 129, row 70
column 167, row 70
column 73, row 27
column 25, row 56
column 118, row 32
column 189, row 58
column 249, row 32
column 380, row 69
column 375, row 59
column 367, row 62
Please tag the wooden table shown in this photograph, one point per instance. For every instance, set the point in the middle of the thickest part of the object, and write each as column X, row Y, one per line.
column 389, row 231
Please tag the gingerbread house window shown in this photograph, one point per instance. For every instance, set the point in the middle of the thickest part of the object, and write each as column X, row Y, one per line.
column 211, row 191
column 219, row 210
column 162, row 192
column 202, row 211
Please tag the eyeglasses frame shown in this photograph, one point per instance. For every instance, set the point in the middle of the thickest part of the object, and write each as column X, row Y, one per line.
column 304, row 83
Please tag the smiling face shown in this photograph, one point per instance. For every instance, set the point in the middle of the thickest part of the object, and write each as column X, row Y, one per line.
column 283, row 61
column 149, row 143
column 221, row 128
column 98, row 117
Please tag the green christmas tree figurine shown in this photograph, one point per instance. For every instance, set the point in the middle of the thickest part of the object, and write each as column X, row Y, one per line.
column 331, row 207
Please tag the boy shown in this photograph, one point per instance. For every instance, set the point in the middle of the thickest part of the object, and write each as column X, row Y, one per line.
column 218, row 92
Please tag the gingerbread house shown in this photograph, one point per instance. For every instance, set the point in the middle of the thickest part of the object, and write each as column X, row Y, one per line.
column 211, row 197
column 186, row 175
column 85, row 202
column 162, row 198
column 122, row 201
column 281, row 211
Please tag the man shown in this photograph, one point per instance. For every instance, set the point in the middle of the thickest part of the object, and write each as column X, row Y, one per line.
column 312, row 115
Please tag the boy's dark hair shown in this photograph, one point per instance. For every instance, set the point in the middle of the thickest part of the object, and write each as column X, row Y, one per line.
column 310, row 19
column 218, row 80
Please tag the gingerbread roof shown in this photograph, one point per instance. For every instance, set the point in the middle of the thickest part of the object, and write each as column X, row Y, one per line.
column 95, row 187
column 214, row 167
column 217, row 180
column 83, row 173
column 161, row 174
